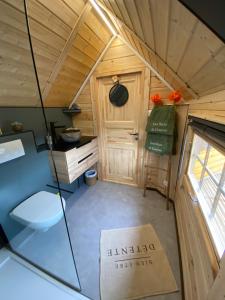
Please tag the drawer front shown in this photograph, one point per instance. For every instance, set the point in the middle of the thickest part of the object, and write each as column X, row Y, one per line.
column 71, row 164
column 82, row 167
column 75, row 155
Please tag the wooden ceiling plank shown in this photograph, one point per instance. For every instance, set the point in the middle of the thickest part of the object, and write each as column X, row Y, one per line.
column 43, row 34
column 66, row 49
column 85, row 47
column 132, row 11
column 88, row 35
column 137, row 45
column 18, row 4
column 98, row 27
column 211, row 76
column 160, row 10
column 213, row 90
column 76, row 6
column 212, row 58
column 10, row 75
column 76, row 65
column 91, row 72
column 13, row 36
column 125, row 15
column 13, row 17
column 81, row 57
column 182, row 26
column 61, row 10
column 145, row 16
column 115, row 8
column 66, row 87
column 40, row 48
column 41, row 14
column 14, row 52
column 202, row 46
column 62, row 79
column 107, row 4
column 189, row 94
column 70, row 73
column 128, row 37
column 146, row 55
column 211, row 98
column 17, row 38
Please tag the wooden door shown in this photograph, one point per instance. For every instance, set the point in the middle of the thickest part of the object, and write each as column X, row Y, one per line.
column 120, row 158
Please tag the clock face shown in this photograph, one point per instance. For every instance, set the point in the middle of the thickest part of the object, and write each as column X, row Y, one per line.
column 118, row 95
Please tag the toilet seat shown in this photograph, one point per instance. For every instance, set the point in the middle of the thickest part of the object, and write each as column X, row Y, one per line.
column 40, row 211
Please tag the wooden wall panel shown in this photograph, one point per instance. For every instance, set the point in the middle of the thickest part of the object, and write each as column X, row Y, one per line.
column 118, row 58
column 85, row 120
column 199, row 262
column 158, row 177
column 210, row 107
column 81, row 57
column 50, row 27
column 157, row 87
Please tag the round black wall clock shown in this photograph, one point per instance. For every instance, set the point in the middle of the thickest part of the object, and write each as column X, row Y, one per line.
column 118, row 95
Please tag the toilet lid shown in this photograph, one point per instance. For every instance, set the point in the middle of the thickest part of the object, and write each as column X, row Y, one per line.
column 40, row 207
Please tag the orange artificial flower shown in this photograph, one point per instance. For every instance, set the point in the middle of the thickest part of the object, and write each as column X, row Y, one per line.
column 175, row 96
column 156, row 99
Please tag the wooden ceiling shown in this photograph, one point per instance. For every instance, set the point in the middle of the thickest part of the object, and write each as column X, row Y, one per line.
column 78, row 36
column 182, row 44
column 68, row 38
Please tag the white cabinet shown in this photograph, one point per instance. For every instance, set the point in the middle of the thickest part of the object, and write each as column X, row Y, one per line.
column 71, row 164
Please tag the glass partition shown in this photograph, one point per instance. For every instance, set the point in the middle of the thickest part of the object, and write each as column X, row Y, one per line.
column 32, row 207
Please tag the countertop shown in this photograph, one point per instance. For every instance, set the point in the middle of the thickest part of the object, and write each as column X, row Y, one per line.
column 64, row 146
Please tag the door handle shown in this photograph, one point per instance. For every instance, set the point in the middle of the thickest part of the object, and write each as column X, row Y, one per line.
column 136, row 135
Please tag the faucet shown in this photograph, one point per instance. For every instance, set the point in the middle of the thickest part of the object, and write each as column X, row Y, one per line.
column 53, row 131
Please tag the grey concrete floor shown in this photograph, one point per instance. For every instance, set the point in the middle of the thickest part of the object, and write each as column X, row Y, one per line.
column 106, row 206
column 51, row 251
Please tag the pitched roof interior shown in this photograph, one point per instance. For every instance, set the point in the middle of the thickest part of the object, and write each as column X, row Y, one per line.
column 68, row 38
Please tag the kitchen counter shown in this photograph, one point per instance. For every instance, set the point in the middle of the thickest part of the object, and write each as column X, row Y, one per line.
column 65, row 146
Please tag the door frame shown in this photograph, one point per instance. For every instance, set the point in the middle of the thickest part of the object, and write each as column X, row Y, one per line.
column 143, row 115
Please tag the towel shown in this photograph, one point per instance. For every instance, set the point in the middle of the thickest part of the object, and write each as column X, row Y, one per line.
column 161, row 130
column 162, row 120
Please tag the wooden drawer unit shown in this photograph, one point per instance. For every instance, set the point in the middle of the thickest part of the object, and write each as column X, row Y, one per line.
column 71, row 164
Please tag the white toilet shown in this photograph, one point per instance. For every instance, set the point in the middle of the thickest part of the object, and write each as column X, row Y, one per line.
column 40, row 211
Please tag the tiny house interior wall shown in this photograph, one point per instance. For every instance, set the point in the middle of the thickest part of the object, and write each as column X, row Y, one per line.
column 19, row 179
column 32, row 117
column 117, row 59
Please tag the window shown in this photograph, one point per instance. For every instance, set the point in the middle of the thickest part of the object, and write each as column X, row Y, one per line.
column 206, row 172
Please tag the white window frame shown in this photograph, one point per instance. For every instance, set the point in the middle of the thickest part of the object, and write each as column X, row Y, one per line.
column 197, row 186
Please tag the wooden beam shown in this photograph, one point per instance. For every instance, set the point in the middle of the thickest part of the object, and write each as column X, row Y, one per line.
column 115, row 19
column 66, row 49
column 92, row 70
